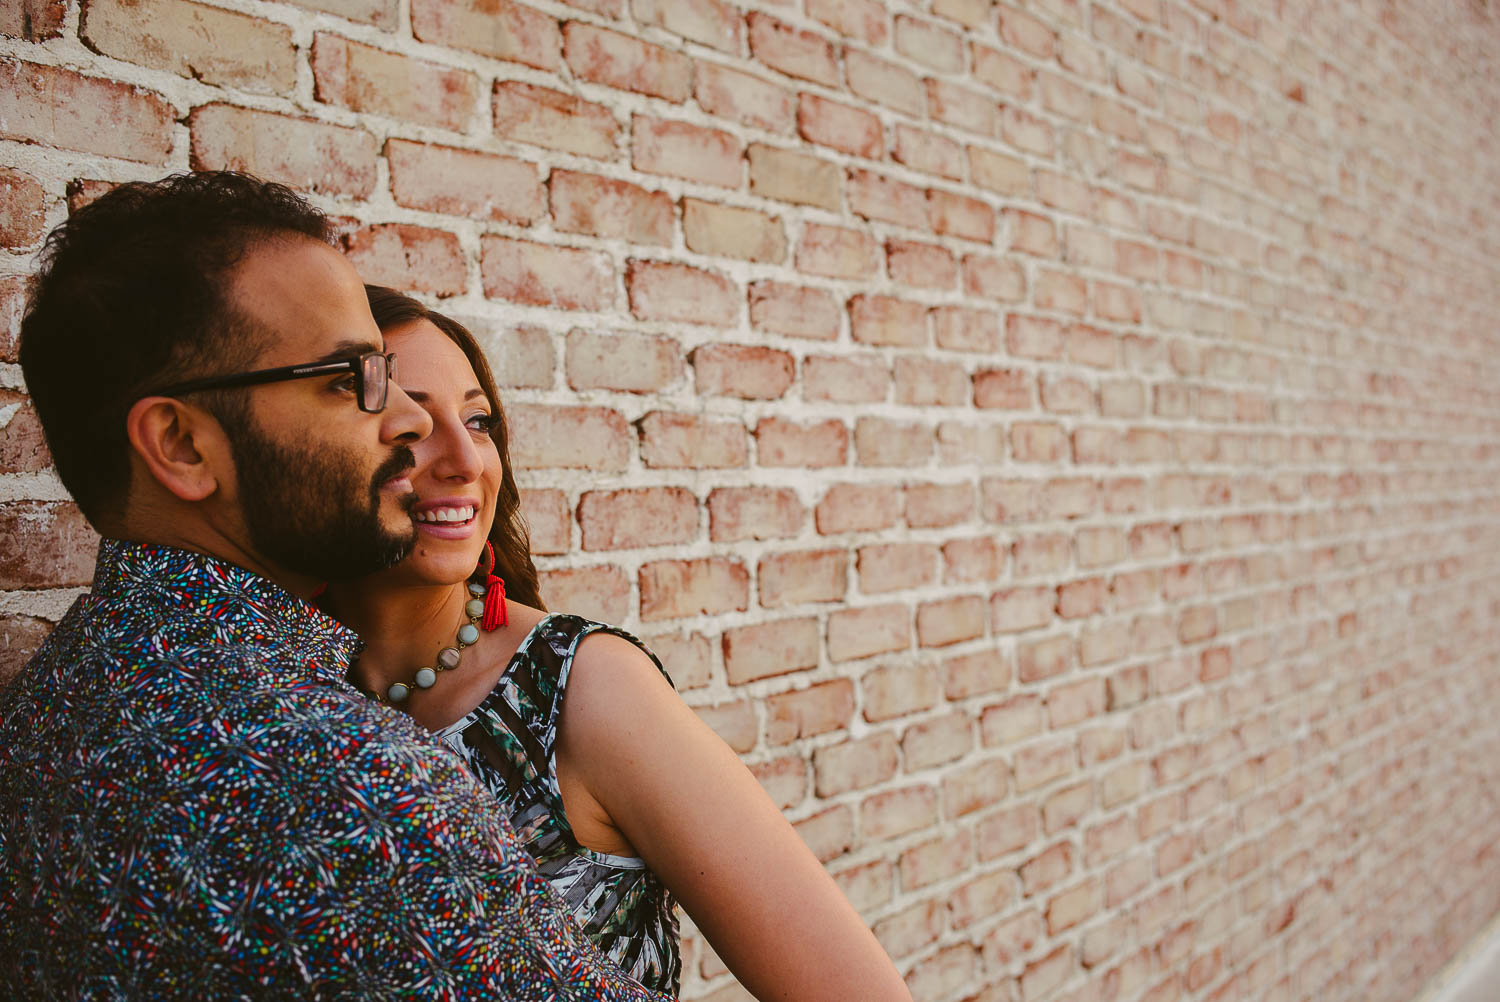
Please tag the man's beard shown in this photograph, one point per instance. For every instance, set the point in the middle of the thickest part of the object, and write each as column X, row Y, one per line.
column 310, row 512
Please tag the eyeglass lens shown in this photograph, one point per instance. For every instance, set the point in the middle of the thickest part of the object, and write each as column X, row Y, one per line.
column 374, row 380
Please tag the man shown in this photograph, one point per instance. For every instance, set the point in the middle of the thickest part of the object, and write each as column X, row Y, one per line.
column 194, row 802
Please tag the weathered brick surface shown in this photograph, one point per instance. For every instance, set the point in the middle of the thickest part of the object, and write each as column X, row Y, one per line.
column 1053, row 443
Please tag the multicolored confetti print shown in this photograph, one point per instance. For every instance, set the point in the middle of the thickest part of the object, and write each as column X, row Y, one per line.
column 195, row 804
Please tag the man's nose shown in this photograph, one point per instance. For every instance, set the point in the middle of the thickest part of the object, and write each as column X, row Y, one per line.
column 403, row 420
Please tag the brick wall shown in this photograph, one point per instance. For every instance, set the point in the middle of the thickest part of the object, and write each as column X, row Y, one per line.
column 1055, row 443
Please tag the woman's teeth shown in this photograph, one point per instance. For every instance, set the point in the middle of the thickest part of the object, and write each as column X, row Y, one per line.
column 440, row 515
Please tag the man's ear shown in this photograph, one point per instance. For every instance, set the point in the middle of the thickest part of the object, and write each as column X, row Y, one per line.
column 183, row 446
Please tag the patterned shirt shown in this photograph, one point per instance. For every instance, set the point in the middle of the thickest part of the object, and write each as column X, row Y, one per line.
column 194, row 803
column 510, row 743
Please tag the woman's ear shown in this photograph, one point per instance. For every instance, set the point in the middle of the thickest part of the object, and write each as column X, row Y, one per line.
column 183, row 446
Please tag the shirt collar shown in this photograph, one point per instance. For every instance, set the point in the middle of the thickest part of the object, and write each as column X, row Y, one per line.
column 244, row 603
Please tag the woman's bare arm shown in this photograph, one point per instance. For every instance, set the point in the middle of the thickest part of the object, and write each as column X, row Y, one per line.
column 700, row 820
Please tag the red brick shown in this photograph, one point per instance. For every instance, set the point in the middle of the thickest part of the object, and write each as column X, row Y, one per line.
column 1005, row 831
column 1066, row 807
column 1061, row 291
column 33, row 21
column 606, row 207
column 710, row 22
column 857, row 507
column 908, row 930
column 793, row 51
column 183, row 38
column 1008, row 500
column 1026, row 33
column 923, row 265
column 898, row 690
column 1026, row 132
column 995, row 278
column 746, row 371
column 805, row 713
column 1021, row 608
column 885, row 320
column 540, row 275
column 950, row 621
column 885, row 83
column 22, row 208
column 682, row 149
column 1005, row 175
column 1004, row 389
column 938, row 741
column 930, row 44
column 464, row 183
column 548, row 521
column 839, row 126
column 922, row 382
column 1043, row 977
column 726, row 231
column 837, row 252
column 1033, row 337
column 782, row 442
column 972, row 560
column 12, row 304
column 664, row 290
column 961, row 216
column 494, row 28
column 855, row 765
column 928, row 152
column 58, row 108
column 770, row 648
column 626, row 519
column 795, row 310
column 845, row 378
column 542, row 436
column 897, row 812
column 559, row 121
column 601, row 593
column 1016, row 719
column 1031, row 233
column 884, row 442
column 1002, row 71
column 1074, row 703
column 1043, row 553
column 975, row 674
column 896, row 566
column 936, row 859
column 1044, row 658
column 828, row 834
column 865, row 20
column 803, row 576
column 625, row 63
column 784, row 780
column 862, row 632
column 1067, row 395
column 45, row 545
column 793, row 176
column 672, row 589
column 735, row 723
column 522, row 357
column 749, row 99
column 966, row 109
column 685, row 440
column 408, row 257
column 738, row 513
column 958, row 328
column 363, row 78
column 874, row 196
column 20, row 636
column 636, row 363
column 23, row 448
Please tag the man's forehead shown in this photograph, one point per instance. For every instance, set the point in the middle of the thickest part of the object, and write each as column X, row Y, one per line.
column 305, row 298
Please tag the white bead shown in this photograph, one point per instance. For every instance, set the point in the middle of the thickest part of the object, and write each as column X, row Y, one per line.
column 425, row 678
column 397, row 693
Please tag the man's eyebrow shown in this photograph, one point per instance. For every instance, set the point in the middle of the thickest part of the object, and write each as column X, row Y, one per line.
column 345, row 350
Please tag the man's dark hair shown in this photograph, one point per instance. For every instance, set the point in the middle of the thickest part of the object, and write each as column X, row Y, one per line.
column 130, row 296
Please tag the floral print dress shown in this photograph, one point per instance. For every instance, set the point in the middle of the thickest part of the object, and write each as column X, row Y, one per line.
column 509, row 742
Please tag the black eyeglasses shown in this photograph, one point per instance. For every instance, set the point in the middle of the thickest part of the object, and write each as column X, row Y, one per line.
column 373, row 372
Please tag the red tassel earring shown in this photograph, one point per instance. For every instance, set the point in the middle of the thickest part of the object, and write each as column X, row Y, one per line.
column 494, row 590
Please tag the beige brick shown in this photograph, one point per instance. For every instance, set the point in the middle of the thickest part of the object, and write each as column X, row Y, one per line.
column 620, row 61
column 607, row 207
column 463, row 183
column 648, row 516
column 540, row 275
column 727, row 231
column 307, row 155
column 792, row 176
column 496, row 28
column 557, row 120
column 686, row 150
column 775, row 647
column 803, row 576
column 183, row 38
column 366, row 79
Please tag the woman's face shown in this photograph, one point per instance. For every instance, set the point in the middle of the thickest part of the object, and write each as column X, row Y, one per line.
column 458, row 471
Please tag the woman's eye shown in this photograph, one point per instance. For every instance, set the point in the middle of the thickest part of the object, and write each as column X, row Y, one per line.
column 481, row 424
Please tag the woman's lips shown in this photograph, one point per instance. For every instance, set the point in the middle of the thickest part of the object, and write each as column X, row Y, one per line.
column 446, row 521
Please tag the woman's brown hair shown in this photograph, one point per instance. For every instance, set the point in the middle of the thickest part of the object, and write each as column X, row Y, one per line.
column 508, row 535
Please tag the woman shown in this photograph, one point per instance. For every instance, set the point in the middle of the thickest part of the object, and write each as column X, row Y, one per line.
column 625, row 798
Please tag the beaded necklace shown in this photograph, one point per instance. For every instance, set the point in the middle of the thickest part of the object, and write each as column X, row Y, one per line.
column 485, row 608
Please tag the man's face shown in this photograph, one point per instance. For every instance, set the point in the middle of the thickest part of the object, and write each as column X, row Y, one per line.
column 321, row 484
